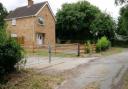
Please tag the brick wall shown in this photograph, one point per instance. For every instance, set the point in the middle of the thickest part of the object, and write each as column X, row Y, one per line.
column 25, row 27
column 49, row 26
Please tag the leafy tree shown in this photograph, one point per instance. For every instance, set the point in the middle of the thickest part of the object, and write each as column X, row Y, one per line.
column 117, row 2
column 103, row 25
column 123, row 21
column 81, row 21
column 74, row 20
column 3, row 14
column 10, row 51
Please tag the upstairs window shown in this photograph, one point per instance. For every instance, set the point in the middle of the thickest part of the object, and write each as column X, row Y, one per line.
column 41, row 20
column 13, row 21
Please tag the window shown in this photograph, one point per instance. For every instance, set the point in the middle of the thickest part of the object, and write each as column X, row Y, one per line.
column 41, row 20
column 13, row 35
column 14, row 22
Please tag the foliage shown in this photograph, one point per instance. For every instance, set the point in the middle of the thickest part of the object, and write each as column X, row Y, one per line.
column 3, row 14
column 81, row 20
column 123, row 21
column 102, row 44
column 88, row 47
column 103, row 25
column 10, row 54
column 120, row 2
column 10, row 51
column 73, row 20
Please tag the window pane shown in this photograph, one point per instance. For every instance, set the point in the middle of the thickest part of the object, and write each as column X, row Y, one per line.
column 41, row 20
column 13, row 21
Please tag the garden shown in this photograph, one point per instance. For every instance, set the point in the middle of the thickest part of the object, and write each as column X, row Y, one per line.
column 78, row 22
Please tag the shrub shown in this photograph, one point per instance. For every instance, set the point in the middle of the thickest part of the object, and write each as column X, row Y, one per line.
column 102, row 44
column 10, row 54
column 88, row 47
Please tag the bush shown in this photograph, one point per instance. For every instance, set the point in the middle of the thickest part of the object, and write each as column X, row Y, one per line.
column 10, row 54
column 103, row 44
column 88, row 47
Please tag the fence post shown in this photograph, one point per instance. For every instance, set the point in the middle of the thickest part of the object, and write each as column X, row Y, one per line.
column 78, row 49
column 55, row 49
column 49, row 52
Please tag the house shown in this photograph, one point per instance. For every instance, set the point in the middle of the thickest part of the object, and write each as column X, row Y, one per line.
column 33, row 25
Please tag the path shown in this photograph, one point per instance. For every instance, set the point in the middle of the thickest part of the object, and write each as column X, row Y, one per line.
column 57, row 64
column 107, row 71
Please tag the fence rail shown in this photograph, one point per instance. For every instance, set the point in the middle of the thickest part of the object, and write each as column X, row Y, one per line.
column 60, row 50
column 75, row 48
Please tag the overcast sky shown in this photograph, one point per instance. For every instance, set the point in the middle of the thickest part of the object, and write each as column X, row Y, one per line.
column 104, row 5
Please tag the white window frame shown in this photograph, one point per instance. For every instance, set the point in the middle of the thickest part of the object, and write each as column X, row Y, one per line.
column 13, row 22
column 13, row 35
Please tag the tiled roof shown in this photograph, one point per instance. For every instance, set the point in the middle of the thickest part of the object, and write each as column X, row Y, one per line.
column 25, row 11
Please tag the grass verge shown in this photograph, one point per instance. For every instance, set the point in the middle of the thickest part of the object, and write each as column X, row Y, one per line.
column 124, row 84
column 45, row 54
column 93, row 85
column 31, row 80
column 112, row 50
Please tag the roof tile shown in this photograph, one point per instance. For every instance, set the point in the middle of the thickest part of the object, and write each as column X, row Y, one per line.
column 25, row 11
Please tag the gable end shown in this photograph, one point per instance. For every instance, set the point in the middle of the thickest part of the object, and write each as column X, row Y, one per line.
column 49, row 10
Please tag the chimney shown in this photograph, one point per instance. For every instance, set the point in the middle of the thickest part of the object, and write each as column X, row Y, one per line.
column 30, row 3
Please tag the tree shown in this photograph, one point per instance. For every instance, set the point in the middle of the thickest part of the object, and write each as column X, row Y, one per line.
column 10, row 51
column 103, row 25
column 74, row 20
column 81, row 21
column 123, row 21
column 3, row 14
column 117, row 2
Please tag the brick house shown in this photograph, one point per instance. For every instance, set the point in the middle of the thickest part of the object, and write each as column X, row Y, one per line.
column 34, row 23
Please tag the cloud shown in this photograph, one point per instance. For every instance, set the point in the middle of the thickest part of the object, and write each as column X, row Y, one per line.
column 108, row 6
column 12, row 4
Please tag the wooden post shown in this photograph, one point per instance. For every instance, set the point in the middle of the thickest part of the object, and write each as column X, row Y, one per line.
column 49, row 52
column 78, row 49
column 55, row 49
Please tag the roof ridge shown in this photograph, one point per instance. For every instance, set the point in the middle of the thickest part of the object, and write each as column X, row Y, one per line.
column 30, row 6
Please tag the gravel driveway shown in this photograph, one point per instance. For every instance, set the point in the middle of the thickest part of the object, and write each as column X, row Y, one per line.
column 57, row 64
column 106, row 71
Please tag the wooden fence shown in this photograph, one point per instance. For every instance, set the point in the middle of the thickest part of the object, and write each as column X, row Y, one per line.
column 75, row 48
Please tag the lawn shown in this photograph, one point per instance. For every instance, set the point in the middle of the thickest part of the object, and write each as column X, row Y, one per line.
column 31, row 80
column 45, row 53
